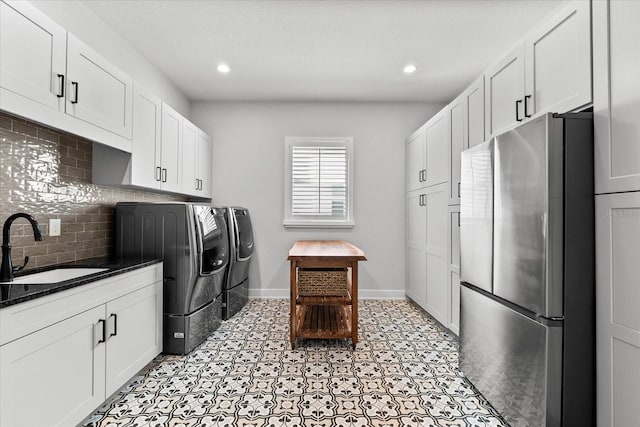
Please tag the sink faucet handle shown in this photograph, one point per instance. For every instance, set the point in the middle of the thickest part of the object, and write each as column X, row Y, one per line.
column 26, row 261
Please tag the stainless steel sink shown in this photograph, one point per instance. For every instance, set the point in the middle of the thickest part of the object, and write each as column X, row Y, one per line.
column 56, row 275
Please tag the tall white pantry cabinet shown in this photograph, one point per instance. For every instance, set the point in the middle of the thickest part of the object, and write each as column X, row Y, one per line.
column 616, row 106
column 548, row 70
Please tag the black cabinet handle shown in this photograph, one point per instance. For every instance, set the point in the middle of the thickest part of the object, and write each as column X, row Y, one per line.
column 104, row 331
column 115, row 325
column 420, row 176
column 518, row 102
column 458, row 219
column 76, row 86
column 197, row 184
column 458, row 189
column 61, row 93
column 158, row 175
column 164, row 174
column 200, row 188
column 526, row 110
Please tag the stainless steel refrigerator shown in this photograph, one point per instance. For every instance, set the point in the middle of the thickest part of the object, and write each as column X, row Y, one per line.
column 527, row 327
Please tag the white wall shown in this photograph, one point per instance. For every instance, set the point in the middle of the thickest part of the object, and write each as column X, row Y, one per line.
column 79, row 20
column 248, row 170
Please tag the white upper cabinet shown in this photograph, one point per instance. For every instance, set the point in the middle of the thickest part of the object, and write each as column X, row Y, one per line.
column 473, row 101
column 97, row 92
column 616, row 71
column 437, row 134
column 456, row 118
column 32, row 58
column 171, row 173
column 146, row 152
column 415, row 152
column 49, row 76
column 190, row 181
column 549, row 72
column 196, row 161
column 558, row 61
column 466, row 117
column 204, row 164
column 504, row 90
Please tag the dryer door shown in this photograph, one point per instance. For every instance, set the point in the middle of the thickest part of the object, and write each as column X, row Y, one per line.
column 244, row 238
column 213, row 241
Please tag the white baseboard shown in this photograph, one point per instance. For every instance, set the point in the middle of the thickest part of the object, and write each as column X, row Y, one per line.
column 362, row 294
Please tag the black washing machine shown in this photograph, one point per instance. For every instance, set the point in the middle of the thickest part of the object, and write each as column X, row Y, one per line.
column 192, row 241
column 235, row 293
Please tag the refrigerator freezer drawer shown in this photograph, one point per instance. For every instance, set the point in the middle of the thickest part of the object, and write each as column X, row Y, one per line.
column 514, row 361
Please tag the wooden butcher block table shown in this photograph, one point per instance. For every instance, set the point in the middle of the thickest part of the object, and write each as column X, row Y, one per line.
column 317, row 312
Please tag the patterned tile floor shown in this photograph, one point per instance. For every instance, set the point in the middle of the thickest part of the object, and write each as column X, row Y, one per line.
column 403, row 373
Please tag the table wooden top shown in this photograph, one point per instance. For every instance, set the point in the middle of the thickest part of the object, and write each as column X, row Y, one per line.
column 306, row 249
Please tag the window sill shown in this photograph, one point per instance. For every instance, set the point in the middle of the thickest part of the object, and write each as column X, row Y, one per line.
column 317, row 224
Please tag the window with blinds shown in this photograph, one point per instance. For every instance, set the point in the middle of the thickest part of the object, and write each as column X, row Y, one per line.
column 318, row 189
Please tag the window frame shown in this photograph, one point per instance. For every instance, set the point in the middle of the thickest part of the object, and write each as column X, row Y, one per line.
column 301, row 221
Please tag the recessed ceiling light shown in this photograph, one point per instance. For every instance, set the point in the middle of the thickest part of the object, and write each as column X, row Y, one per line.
column 223, row 68
column 408, row 69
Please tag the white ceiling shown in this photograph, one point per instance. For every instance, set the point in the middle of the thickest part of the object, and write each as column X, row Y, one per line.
column 322, row 50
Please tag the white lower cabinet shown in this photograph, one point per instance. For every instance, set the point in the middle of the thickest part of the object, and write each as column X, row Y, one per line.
column 617, row 314
column 56, row 375
column 436, row 199
column 134, row 334
column 416, row 248
column 426, row 249
column 453, row 268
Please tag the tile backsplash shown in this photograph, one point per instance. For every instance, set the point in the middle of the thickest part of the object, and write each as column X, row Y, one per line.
column 47, row 174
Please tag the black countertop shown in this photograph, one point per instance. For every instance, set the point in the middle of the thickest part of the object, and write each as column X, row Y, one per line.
column 14, row 293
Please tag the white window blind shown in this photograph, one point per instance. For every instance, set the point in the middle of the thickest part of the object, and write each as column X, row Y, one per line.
column 318, row 187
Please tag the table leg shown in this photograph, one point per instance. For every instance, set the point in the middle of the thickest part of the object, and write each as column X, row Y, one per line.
column 354, row 303
column 294, row 292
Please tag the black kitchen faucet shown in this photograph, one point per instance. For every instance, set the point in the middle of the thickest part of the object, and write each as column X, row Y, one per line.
column 7, row 269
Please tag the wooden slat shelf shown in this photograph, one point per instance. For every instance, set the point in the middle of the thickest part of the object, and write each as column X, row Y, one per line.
column 324, row 300
column 324, row 321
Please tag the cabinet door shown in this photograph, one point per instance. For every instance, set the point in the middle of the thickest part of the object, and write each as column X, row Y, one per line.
column 415, row 152
column 146, row 150
column 456, row 145
column 97, row 92
column 204, row 164
column 616, row 85
column 416, row 248
column 437, row 135
column 55, row 376
column 474, row 113
column 32, row 59
column 436, row 249
column 504, row 92
column 453, row 267
column 171, row 137
column 618, row 317
column 558, row 61
column 134, row 334
column 189, row 158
